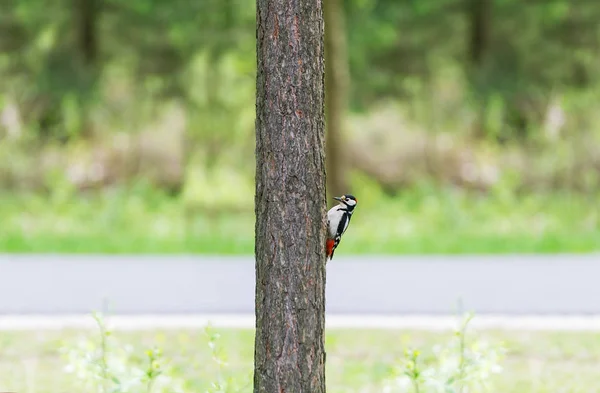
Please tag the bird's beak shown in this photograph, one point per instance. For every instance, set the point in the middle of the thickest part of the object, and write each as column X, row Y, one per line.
column 338, row 198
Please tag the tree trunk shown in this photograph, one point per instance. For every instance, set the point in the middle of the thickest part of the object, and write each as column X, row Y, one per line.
column 87, row 30
column 336, row 84
column 290, row 202
column 479, row 14
column 479, row 34
column 86, row 22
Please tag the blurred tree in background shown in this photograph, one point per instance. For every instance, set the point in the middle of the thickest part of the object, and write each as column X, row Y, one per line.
column 336, row 81
column 466, row 93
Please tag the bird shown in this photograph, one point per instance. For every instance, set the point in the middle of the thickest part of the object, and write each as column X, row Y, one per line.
column 338, row 219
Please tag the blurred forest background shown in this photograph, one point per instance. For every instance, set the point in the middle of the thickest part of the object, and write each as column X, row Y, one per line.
column 460, row 125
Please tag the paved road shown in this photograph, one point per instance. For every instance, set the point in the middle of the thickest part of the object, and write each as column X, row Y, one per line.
column 508, row 285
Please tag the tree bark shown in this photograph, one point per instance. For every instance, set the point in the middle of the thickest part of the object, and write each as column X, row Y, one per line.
column 336, row 84
column 290, row 202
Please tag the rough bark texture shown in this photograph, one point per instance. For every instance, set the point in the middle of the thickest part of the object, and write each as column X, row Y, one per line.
column 336, row 84
column 290, row 198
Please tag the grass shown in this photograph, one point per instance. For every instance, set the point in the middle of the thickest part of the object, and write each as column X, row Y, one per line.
column 418, row 221
column 357, row 360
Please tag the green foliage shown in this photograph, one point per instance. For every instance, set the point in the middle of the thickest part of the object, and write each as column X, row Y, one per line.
column 105, row 365
column 98, row 97
column 221, row 383
column 202, row 55
column 426, row 220
column 358, row 360
column 456, row 367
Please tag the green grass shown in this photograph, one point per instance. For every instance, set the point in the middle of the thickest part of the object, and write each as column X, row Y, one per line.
column 423, row 221
column 357, row 360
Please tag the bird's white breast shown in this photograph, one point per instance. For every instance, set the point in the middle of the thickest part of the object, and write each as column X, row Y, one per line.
column 334, row 215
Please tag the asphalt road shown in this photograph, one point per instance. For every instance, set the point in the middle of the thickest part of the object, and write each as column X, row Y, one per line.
column 432, row 285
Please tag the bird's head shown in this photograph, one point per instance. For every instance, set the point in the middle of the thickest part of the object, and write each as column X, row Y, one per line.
column 347, row 200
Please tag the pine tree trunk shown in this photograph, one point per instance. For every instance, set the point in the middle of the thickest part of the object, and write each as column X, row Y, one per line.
column 290, row 198
column 336, row 84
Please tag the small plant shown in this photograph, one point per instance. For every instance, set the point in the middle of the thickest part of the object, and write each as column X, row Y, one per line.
column 457, row 367
column 221, row 383
column 105, row 366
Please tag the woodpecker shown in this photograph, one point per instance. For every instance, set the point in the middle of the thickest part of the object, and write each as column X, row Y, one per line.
column 338, row 219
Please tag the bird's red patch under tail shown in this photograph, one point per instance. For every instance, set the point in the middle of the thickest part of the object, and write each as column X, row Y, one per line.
column 329, row 247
